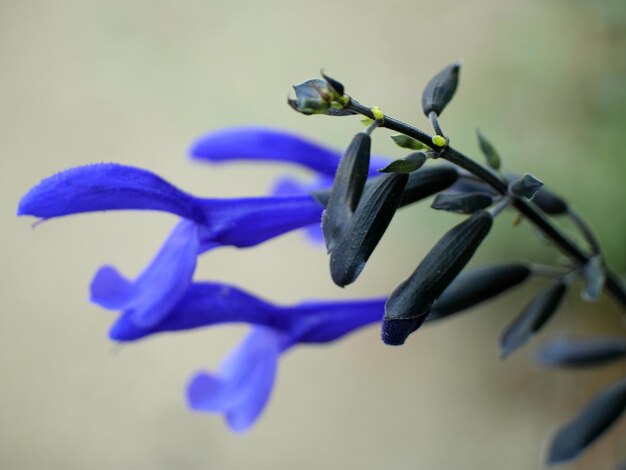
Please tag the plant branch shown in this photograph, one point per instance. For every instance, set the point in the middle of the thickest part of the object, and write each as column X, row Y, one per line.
column 527, row 208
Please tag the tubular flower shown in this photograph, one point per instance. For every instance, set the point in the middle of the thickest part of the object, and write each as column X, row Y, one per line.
column 163, row 298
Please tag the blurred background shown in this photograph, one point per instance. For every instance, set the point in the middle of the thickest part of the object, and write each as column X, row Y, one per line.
column 136, row 82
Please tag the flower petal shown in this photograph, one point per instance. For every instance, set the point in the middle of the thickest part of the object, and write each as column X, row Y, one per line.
column 265, row 144
column 249, row 221
column 241, row 388
column 107, row 186
column 210, row 303
column 154, row 293
column 205, row 304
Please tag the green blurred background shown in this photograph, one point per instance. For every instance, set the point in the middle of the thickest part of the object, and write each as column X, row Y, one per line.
column 135, row 82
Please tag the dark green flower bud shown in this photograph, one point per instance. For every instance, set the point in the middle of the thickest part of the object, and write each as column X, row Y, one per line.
column 347, row 188
column 440, row 90
column 533, row 317
column 476, row 286
column 426, row 182
column 549, row 202
column 488, row 150
column 462, row 203
column 526, row 186
column 601, row 412
column 421, row 184
column 314, row 96
column 582, row 352
column 366, row 227
column 408, row 164
column 411, row 301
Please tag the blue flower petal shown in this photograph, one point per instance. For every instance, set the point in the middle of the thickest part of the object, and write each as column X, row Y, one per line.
column 159, row 288
column 324, row 321
column 107, row 186
column 241, row 388
column 249, row 221
column 260, row 143
column 206, row 304
column 265, row 144
column 210, row 303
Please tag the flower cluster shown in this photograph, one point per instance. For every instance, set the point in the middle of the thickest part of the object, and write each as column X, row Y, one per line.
column 350, row 203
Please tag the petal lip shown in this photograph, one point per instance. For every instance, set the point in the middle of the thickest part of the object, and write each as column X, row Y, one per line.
column 258, row 143
column 107, row 186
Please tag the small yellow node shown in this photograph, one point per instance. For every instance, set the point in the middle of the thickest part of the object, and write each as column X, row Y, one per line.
column 378, row 114
column 439, row 141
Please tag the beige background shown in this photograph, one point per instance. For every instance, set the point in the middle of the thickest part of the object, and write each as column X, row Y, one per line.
column 135, row 82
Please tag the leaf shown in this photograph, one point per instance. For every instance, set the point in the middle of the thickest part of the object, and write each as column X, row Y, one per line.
column 488, row 150
column 408, row 164
column 598, row 416
column 533, row 317
column 462, row 203
column 347, row 188
column 475, row 286
column 440, row 89
column 563, row 352
column 367, row 226
column 406, row 142
column 594, row 276
column 411, row 301
column 526, row 186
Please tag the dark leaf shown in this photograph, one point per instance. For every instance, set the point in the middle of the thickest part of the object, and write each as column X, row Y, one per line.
column 594, row 276
column 581, row 352
column 533, row 317
column 601, row 412
column 366, row 227
column 440, row 90
column 477, row 285
column 410, row 302
column 462, row 203
column 526, row 186
column 347, row 188
column 489, row 151
column 408, row 164
column 549, row 202
column 337, row 86
column 406, row 142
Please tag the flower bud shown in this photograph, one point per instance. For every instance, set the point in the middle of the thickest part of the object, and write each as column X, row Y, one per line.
column 475, row 286
column 410, row 303
column 366, row 227
column 440, row 89
column 313, row 96
column 533, row 317
column 347, row 188
column 462, row 203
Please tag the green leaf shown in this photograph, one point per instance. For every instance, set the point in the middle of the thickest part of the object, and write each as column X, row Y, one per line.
column 408, row 164
column 406, row 142
column 488, row 150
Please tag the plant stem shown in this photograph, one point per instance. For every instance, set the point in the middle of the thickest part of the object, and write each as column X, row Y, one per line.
column 527, row 208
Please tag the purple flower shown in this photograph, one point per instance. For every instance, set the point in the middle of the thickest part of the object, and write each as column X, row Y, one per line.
column 243, row 384
column 207, row 224
column 256, row 143
column 163, row 297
